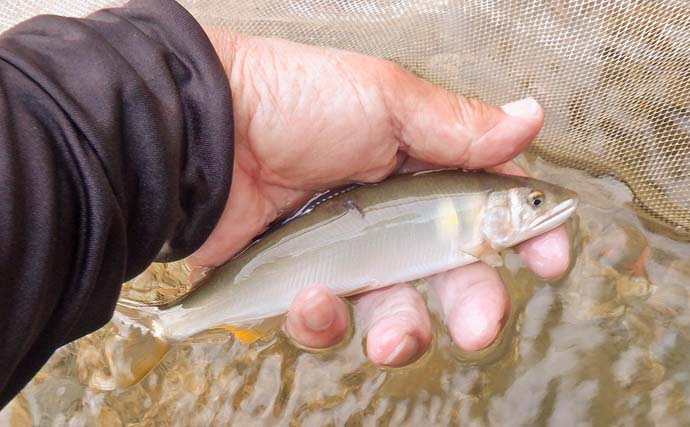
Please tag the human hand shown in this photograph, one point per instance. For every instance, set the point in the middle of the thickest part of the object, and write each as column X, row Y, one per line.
column 308, row 118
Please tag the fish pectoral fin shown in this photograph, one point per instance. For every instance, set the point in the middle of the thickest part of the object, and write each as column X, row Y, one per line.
column 244, row 335
column 488, row 255
column 492, row 259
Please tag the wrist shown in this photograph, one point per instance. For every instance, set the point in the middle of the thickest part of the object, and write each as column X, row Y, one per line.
column 225, row 44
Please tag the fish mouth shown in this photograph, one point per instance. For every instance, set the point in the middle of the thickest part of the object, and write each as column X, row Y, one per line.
column 556, row 217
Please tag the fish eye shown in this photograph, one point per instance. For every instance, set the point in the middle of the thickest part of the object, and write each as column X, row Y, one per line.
column 536, row 198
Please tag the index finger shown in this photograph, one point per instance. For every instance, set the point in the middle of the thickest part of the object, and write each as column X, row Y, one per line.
column 547, row 255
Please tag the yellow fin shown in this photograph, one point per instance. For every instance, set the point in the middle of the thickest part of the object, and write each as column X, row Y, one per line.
column 245, row 335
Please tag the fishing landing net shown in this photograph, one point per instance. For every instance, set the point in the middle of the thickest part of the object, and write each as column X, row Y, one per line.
column 612, row 75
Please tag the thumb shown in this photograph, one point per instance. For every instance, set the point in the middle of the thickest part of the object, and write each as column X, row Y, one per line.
column 437, row 126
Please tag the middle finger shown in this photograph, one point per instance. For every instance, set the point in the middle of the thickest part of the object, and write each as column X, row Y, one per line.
column 475, row 303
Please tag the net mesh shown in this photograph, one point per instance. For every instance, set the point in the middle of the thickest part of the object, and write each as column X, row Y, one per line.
column 612, row 75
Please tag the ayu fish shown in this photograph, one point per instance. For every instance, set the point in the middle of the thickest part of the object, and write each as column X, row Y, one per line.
column 404, row 228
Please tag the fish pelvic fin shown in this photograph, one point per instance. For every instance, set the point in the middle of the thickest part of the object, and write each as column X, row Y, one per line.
column 243, row 334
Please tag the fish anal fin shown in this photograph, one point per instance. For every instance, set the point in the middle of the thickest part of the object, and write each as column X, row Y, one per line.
column 244, row 335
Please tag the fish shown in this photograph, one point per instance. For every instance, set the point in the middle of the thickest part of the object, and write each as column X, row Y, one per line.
column 361, row 238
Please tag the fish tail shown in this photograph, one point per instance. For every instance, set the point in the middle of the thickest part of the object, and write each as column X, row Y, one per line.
column 135, row 350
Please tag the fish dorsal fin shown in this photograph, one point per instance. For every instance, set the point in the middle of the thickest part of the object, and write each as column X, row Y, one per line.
column 244, row 335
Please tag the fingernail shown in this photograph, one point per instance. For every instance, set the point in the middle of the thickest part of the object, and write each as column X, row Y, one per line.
column 318, row 312
column 527, row 107
column 408, row 347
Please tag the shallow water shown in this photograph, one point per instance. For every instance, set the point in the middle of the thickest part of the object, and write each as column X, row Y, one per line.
column 608, row 344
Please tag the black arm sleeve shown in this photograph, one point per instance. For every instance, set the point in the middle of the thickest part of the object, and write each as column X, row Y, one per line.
column 115, row 149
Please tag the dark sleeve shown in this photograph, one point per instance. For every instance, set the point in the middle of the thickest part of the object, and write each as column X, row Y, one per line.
column 115, row 149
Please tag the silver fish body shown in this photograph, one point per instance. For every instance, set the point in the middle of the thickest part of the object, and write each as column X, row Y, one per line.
column 404, row 228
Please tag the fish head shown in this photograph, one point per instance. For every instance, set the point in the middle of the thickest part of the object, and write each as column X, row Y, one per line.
column 524, row 208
